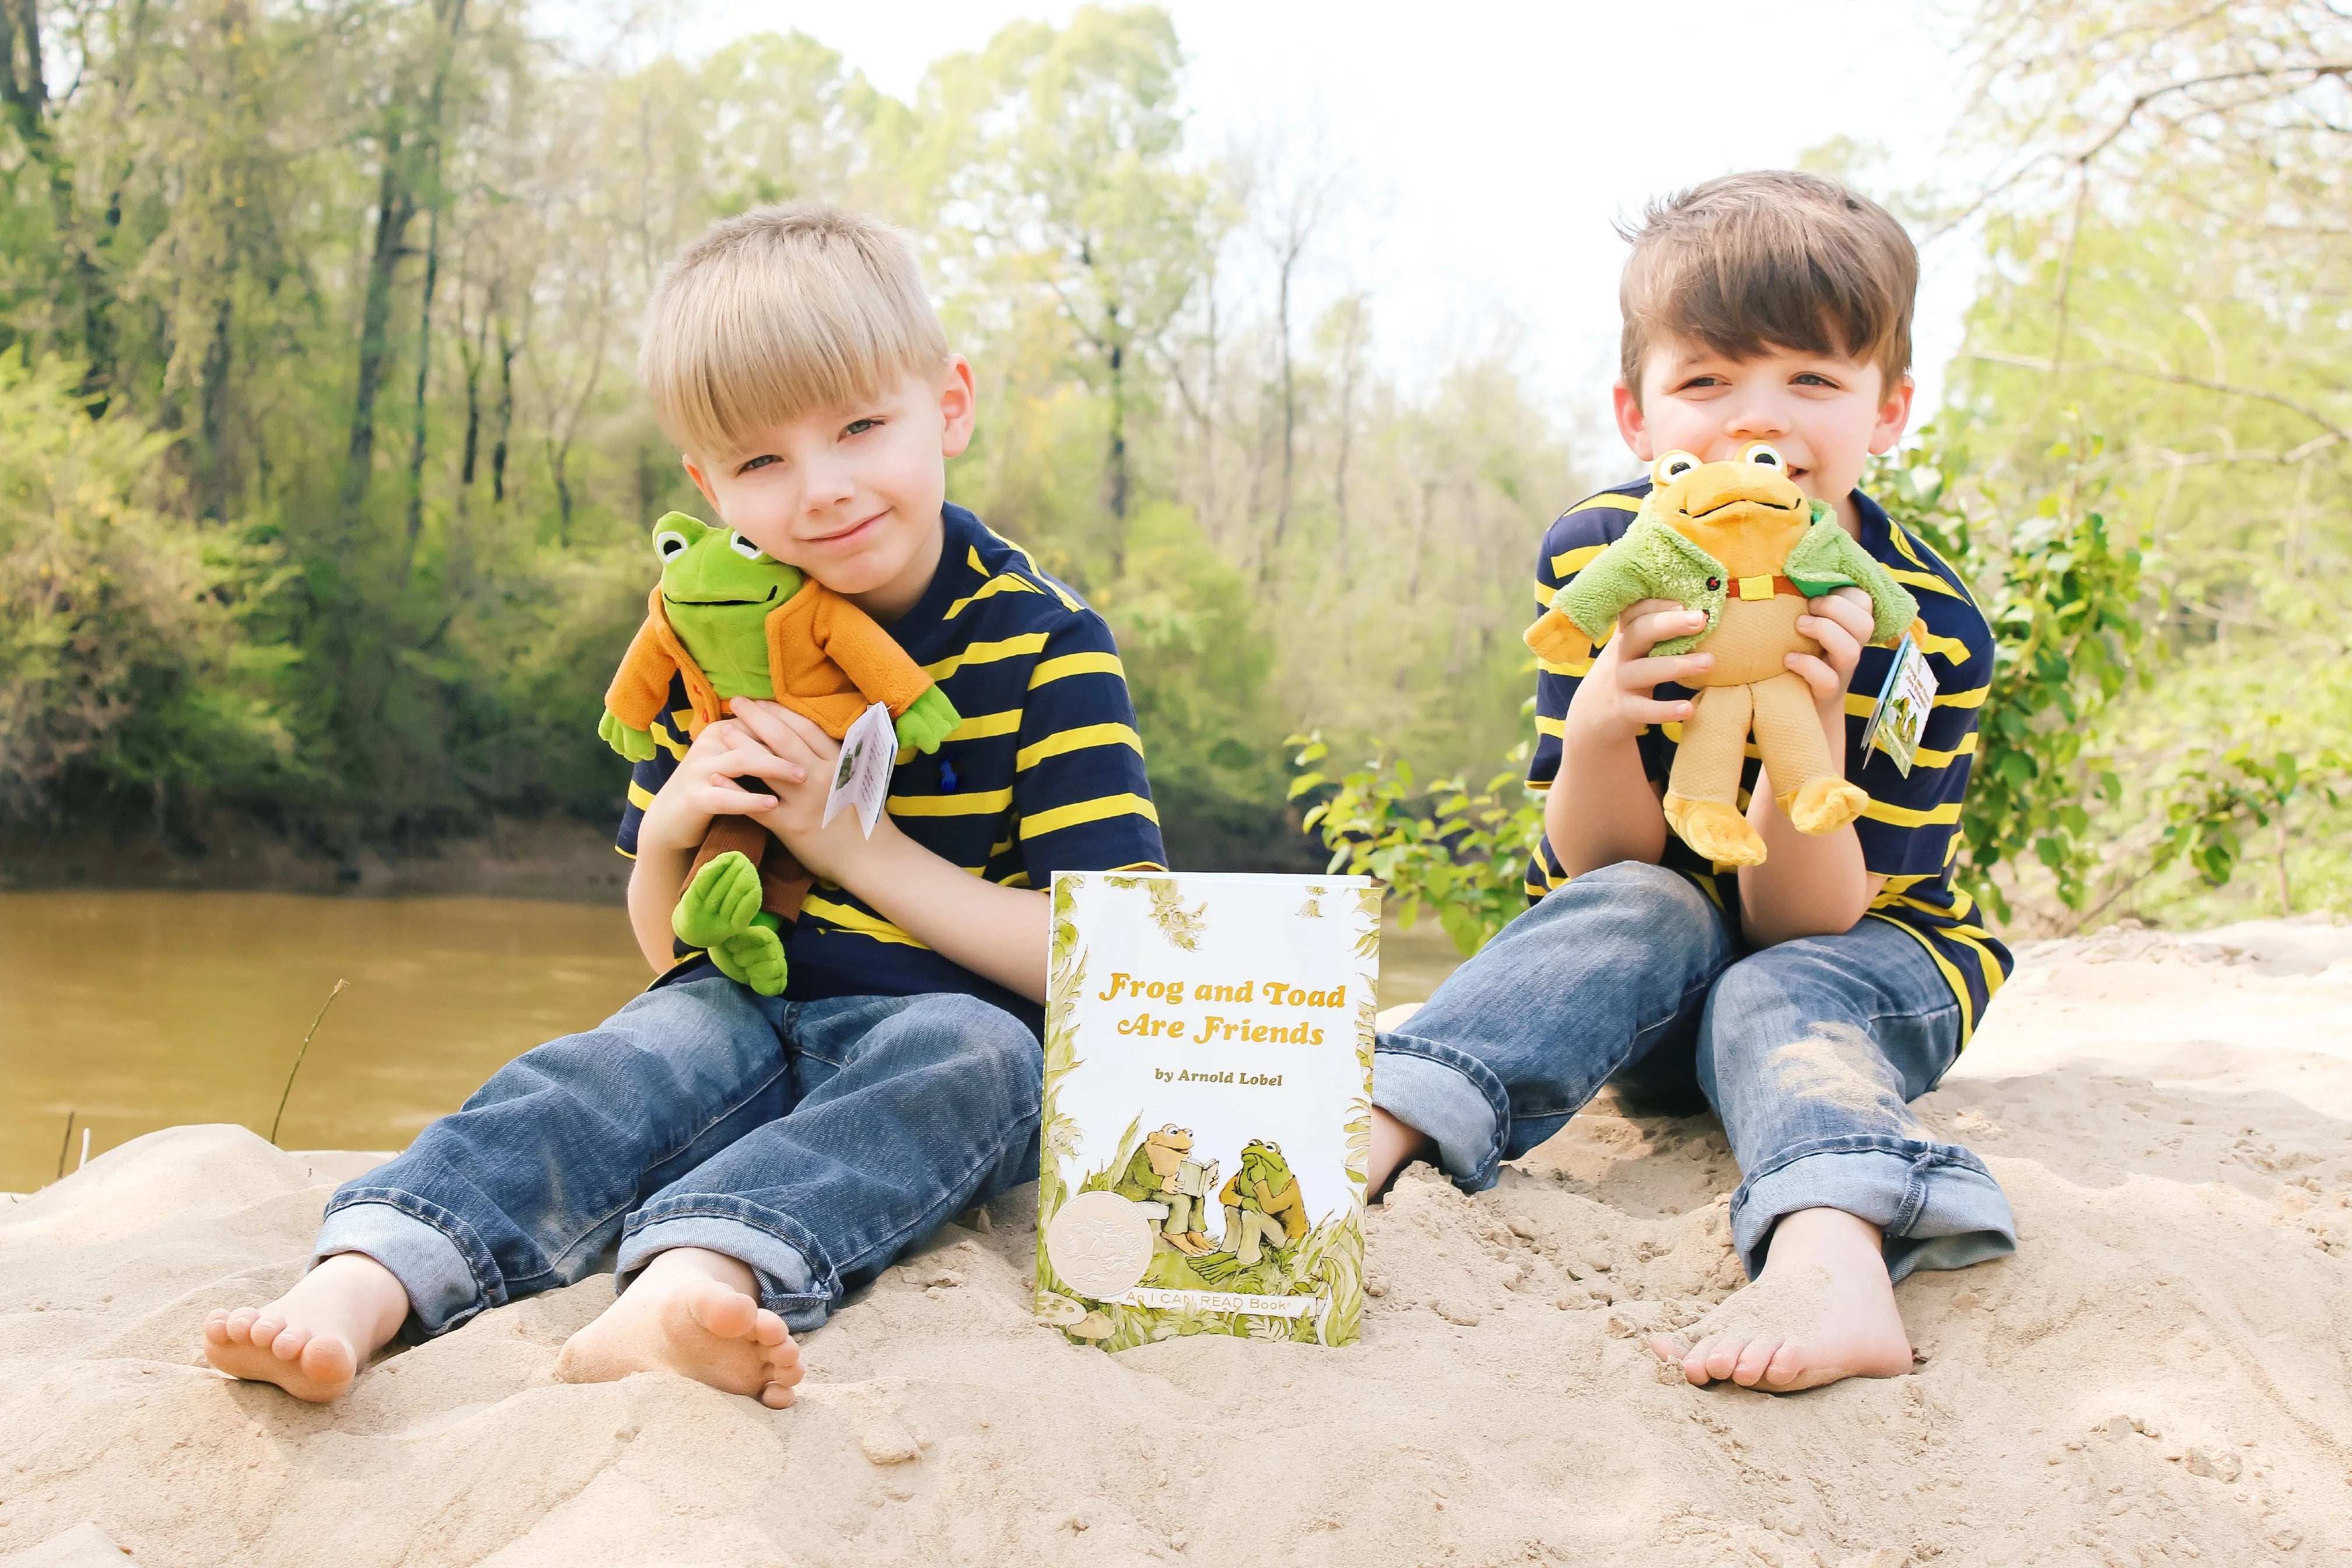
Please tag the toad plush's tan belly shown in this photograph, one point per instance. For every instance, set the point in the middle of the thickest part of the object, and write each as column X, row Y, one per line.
column 1753, row 640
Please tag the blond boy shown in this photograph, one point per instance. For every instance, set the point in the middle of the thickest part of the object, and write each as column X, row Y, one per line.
column 743, row 1160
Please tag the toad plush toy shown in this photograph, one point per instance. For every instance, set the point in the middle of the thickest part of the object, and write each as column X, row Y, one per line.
column 1738, row 541
column 735, row 621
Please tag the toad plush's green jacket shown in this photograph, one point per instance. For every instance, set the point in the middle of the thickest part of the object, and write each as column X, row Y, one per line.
column 1650, row 561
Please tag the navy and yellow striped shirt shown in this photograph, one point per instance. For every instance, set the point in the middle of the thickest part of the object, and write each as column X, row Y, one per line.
column 1044, row 774
column 1909, row 832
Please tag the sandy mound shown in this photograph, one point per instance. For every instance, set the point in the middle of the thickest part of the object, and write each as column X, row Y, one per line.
column 2161, row 1376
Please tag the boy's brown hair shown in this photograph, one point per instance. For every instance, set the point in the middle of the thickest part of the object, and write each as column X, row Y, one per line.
column 779, row 312
column 1770, row 259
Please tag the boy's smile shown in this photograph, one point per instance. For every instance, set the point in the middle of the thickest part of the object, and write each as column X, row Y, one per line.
column 852, row 495
column 1826, row 413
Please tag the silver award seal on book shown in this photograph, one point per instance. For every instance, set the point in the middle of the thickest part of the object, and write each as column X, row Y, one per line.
column 1100, row 1243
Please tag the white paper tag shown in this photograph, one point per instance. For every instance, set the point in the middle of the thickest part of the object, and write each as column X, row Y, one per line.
column 1904, row 702
column 862, row 778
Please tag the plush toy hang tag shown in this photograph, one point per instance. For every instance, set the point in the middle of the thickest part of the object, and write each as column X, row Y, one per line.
column 863, row 777
column 1904, row 702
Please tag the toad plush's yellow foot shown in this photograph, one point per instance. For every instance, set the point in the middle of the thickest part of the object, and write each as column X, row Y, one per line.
column 1714, row 830
column 1823, row 805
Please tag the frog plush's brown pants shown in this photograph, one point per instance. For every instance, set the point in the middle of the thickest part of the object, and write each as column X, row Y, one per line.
column 783, row 882
column 1751, row 686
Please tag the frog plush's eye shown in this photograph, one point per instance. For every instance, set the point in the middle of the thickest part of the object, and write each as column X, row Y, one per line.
column 669, row 543
column 1764, row 455
column 745, row 548
column 1672, row 466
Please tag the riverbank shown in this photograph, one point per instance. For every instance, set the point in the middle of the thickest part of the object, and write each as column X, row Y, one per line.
column 2162, row 1374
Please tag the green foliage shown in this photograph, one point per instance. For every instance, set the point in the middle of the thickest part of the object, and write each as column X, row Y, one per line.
column 135, row 646
column 2210, row 805
column 2062, row 591
column 1461, row 853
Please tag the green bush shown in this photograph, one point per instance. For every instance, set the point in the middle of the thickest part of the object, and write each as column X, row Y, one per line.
column 129, row 653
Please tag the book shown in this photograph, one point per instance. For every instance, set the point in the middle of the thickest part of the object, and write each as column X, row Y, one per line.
column 1207, row 1116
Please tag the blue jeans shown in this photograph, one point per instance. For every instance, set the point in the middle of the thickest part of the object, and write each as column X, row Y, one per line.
column 1809, row 1051
column 816, row 1142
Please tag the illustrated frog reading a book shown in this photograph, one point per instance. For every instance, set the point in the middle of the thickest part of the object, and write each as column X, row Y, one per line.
column 1156, row 1175
column 733, row 621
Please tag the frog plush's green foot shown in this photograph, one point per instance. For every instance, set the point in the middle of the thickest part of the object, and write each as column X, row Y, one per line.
column 637, row 745
column 926, row 720
column 754, row 958
column 720, row 902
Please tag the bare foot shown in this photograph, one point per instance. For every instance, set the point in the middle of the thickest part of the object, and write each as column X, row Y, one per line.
column 694, row 1314
column 1822, row 1309
column 313, row 1341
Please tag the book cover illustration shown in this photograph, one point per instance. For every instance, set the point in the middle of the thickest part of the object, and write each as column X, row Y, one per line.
column 1208, row 1106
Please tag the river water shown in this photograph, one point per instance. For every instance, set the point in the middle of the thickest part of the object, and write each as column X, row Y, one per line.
column 138, row 1010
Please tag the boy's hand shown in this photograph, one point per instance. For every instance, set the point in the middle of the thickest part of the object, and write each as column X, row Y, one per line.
column 1842, row 622
column 797, row 815
column 704, row 786
column 1614, row 702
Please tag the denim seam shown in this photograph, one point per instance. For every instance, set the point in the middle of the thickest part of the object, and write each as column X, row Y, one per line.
column 1642, row 1032
column 823, row 1279
column 1923, row 1156
column 1480, row 1076
column 489, row 1282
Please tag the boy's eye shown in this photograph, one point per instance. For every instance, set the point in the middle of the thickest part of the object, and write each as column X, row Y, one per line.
column 761, row 461
column 1815, row 378
column 745, row 548
column 860, row 426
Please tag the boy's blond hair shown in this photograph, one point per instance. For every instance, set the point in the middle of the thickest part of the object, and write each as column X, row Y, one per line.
column 779, row 312
column 1772, row 259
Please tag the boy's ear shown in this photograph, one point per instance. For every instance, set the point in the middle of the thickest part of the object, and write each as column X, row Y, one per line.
column 702, row 480
column 1631, row 423
column 958, row 406
column 1893, row 415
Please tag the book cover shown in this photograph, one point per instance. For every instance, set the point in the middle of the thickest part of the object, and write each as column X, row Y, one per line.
column 1208, row 1106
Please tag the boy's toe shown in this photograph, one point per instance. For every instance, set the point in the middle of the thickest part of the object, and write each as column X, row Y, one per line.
column 289, row 1343
column 769, row 1328
column 776, row 1396
column 730, row 1314
column 1755, row 1360
column 328, row 1361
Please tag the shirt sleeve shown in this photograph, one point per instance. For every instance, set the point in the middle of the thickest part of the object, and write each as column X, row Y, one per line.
column 647, row 778
column 1569, row 546
column 1908, row 828
column 1080, row 800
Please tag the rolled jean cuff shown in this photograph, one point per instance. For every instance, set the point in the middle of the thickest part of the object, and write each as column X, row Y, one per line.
column 1450, row 1096
column 1936, row 1203
column 442, row 1291
column 771, row 1245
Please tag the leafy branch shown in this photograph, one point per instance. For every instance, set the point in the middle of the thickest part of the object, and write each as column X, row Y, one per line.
column 1459, row 852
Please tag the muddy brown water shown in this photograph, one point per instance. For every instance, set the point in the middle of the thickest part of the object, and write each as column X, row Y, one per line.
column 140, row 1010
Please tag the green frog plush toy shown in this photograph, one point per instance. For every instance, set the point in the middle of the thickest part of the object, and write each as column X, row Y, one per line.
column 730, row 620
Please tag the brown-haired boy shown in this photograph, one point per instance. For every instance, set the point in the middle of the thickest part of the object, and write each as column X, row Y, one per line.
column 1809, row 998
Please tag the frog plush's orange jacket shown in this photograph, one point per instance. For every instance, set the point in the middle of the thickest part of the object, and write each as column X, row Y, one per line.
column 827, row 659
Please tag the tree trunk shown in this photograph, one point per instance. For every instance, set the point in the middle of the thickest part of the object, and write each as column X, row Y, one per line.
column 1289, row 406
column 435, row 104
column 424, row 367
column 1115, row 474
column 394, row 207
column 507, row 350
column 471, row 350
column 24, row 94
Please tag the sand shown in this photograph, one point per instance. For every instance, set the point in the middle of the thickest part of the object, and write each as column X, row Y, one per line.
column 2161, row 1375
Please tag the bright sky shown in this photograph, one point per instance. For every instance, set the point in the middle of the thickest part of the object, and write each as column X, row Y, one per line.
column 1486, row 151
